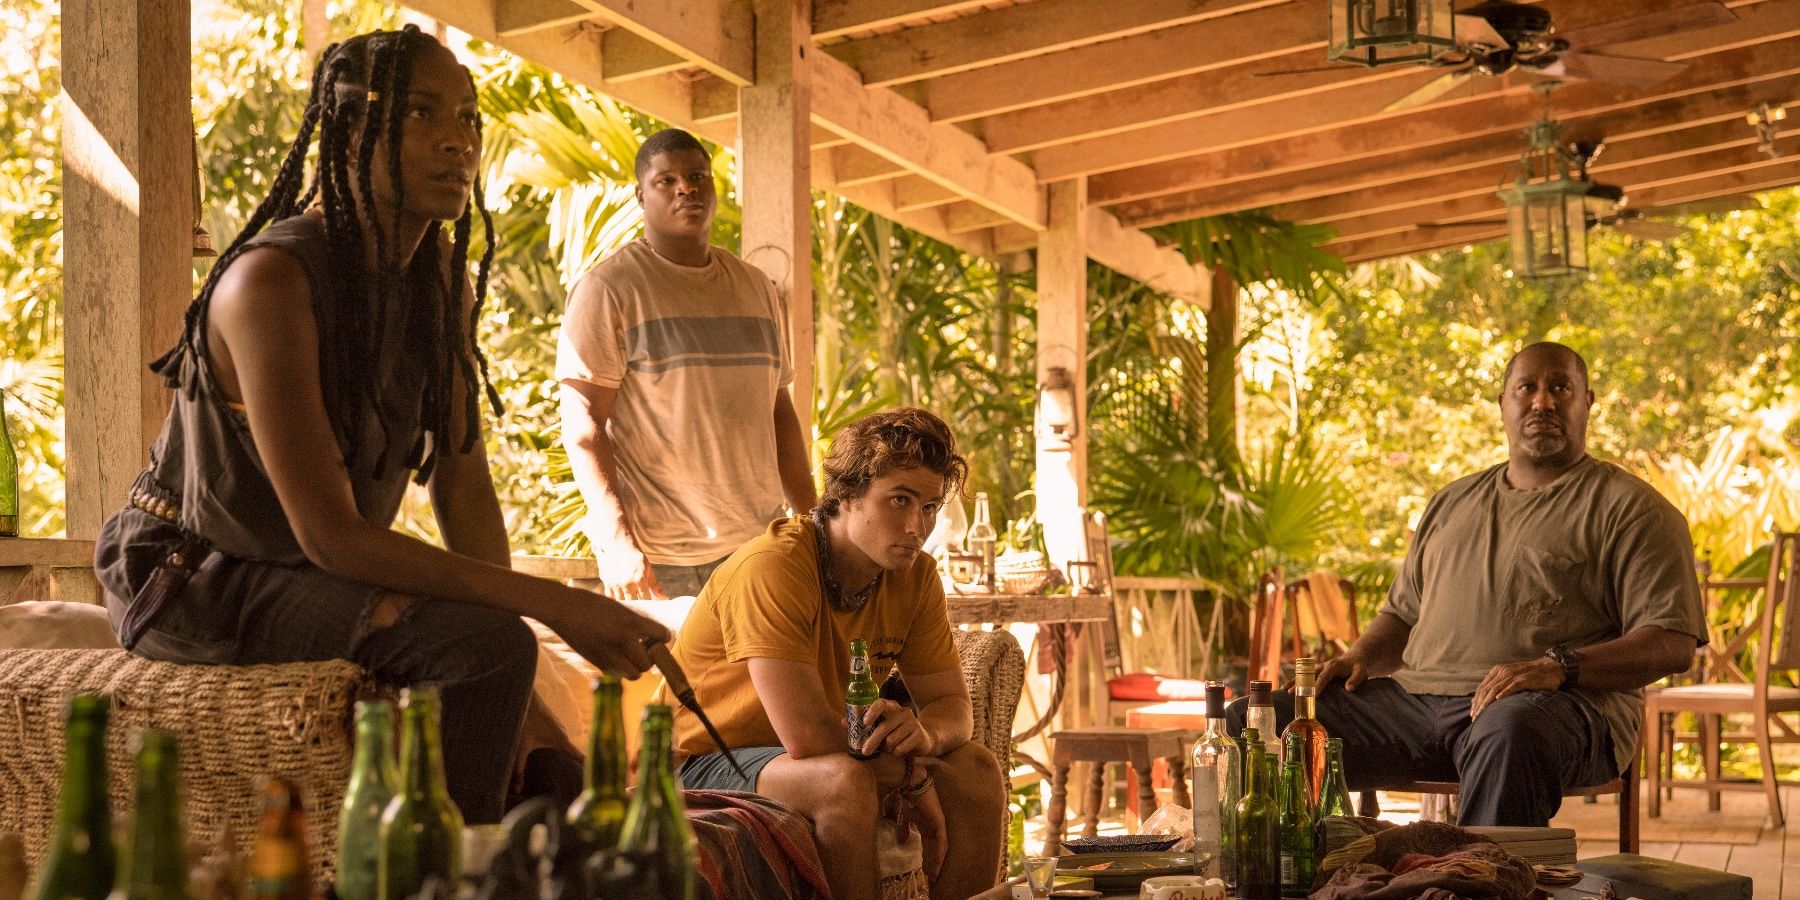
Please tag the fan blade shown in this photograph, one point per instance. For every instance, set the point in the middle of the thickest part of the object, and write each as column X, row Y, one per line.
column 1612, row 69
column 1477, row 30
column 1730, row 203
column 1437, row 225
column 1431, row 90
column 1648, row 25
column 1646, row 230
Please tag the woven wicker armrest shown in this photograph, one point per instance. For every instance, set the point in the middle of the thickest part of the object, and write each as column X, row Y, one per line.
column 238, row 725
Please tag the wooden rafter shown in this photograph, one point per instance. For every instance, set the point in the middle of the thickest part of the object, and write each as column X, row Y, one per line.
column 716, row 34
column 517, row 17
column 1401, row 168
column 624, row 56
column 1017, row 32
column 837, row 18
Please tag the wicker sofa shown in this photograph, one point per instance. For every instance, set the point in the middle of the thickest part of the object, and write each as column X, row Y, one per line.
column 241, row 724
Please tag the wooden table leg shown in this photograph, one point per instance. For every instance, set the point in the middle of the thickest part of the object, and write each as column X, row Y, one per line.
column 1178, row 774
column 1096, row 788
column 1059, row 805
column 1146, row 790
column 1709, row 754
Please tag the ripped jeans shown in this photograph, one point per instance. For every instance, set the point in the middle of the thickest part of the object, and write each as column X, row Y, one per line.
column 246, row 612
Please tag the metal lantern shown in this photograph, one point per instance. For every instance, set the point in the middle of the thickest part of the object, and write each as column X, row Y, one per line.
column 1546, row 209
column 1381, row 32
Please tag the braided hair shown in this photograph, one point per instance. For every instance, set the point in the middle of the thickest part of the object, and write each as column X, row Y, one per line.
column 359, row 91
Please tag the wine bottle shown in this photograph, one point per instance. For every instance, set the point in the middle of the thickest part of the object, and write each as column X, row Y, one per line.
column 155, row 865
column 1306, row 724
column 1218, row 767
column 657, row 839
column 81, row 861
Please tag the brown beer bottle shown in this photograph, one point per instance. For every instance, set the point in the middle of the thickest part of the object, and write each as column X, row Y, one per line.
column 279, row 867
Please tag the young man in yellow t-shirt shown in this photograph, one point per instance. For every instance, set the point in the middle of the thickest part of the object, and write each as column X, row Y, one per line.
column 767, row 647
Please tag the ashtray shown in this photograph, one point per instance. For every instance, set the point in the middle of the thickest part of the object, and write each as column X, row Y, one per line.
column 1122, row 843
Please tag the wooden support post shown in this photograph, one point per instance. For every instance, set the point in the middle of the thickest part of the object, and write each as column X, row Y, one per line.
column 1222, row 367
column 128, row 218
column 775, row 162
column 1061, row 479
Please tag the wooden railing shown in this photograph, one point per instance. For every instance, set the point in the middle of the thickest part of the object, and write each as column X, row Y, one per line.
column 47, row 569
column 1159, row 626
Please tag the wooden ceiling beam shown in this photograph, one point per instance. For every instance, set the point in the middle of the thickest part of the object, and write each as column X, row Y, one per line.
column 1138, row 60
column 837, row 18
column 913, row 193
column 1251, row 190
column 897, row 129
column 962, row 217
column 1138, row 256
column 1658, row 184
column 718, row 35
column 516, row 17
column 625, row 56
column 852, row 166
column 1018, row 32
column 1502, row 102
column 1433, row 130
column 878, row 199
column 1624, row 163
column 1769, row 174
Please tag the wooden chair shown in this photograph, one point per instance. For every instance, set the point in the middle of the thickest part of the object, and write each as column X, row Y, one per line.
column 1625, row 786
column 1140, row 747
column 1777, row 649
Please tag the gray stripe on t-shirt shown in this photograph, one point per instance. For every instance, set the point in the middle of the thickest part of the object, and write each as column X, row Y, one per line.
column 760, row 360
column 657, row 344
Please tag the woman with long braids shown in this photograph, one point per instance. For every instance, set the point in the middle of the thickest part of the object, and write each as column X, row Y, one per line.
column 330, row 358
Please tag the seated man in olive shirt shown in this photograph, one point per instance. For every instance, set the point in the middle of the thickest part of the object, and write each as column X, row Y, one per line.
column 1537, row 600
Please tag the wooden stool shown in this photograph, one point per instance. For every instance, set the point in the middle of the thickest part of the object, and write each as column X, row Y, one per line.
column 1109, row 744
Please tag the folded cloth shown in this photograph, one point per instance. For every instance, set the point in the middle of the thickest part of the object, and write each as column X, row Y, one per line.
column 1425, row 860
column 754, row 847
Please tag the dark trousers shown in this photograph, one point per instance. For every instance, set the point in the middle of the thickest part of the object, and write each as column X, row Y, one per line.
column 245, row 612
column 1513, row 763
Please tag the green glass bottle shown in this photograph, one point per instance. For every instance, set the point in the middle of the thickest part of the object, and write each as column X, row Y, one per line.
column 1334, row 800
column 859, row 695
column 1296, row 821
column 421, row 830
column 9, row 478
column 656, row 837
column 1257, row 822
column 599, row 813
column 155, row 866
column 81, row 860
column 374, row 779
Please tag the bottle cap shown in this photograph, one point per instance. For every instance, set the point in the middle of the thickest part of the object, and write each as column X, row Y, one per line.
column 1259, row 693
column 1306, row 671
column 1215, row 700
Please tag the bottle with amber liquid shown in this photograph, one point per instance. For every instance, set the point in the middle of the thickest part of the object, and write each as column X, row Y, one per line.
column 279, row 867
column 1305, row 725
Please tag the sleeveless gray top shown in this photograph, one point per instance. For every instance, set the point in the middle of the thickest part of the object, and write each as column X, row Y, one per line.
column 205, row 461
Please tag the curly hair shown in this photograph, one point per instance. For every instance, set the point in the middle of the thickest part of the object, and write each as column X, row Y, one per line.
column 875, row 445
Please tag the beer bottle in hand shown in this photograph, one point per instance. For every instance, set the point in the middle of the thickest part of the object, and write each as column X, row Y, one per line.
column 374, row 778
column 599, row 813
column 80, row 862
column 280, row 868
column 657, row 838
column 859, row 695
column 421, row 831
column 155, row 866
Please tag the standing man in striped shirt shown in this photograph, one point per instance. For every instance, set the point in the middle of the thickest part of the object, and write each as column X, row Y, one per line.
column 674, row 372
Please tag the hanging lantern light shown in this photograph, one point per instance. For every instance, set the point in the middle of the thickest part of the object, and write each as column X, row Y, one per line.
column 1546, row 206
column 1382, row 32
column 203, row 244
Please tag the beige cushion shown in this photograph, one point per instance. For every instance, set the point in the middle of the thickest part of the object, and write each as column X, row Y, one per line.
column 55, row 625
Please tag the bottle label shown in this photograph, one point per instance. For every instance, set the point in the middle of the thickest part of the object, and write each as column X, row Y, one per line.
column 1290, row 871
column 853, row 719
column 859, row 665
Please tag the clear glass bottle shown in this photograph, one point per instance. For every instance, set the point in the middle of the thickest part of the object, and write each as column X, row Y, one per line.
column 657, row 838
column 1260, row 715
column 1258, row 820
column 81, row 860
column 1306, row 724
column 1218, row 767
column 860, row 694
column 421, row 830
column 982, row 542
column 1296, row 828
column 155, row 864
column 597, row 815
column 280, row 865
column 374, row 779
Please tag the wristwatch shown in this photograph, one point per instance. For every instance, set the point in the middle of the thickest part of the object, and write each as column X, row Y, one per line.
column 1570, row 662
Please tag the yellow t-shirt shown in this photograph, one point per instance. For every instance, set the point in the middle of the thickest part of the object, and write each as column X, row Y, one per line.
column 765, row 601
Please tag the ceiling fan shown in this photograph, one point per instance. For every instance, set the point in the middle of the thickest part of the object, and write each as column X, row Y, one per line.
column 1607, row 206
column 1497, row 36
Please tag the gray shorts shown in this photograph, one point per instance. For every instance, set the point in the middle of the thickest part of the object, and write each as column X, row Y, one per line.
column 712, row 772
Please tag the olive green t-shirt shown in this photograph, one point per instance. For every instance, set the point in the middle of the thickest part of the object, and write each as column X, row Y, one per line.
column 1498, row 575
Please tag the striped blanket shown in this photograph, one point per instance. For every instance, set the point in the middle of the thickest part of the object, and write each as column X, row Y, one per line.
column 752, row 848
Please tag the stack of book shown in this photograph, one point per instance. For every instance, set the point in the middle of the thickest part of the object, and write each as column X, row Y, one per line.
column 1538, row 846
